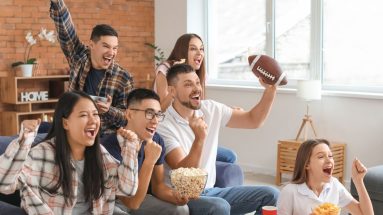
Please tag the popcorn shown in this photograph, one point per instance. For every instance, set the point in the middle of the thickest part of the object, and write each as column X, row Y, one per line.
column 326, row 209
column 189, row 182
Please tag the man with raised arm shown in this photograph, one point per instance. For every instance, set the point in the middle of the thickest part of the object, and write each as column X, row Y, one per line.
column 190, row 131
column 92, row 66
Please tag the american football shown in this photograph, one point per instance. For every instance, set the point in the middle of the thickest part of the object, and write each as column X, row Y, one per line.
column 267, row 69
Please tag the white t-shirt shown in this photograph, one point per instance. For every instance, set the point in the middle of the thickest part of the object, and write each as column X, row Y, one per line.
column 162, row 68
column 176, row 132
column 298, row 199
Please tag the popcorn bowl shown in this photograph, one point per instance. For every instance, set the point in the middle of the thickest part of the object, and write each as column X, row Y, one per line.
column 189, row 182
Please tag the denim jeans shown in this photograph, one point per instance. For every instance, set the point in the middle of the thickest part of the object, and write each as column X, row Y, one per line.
column 233, row 200
column 226, row 155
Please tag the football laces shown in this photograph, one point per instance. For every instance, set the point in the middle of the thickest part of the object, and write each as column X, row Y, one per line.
column 265, row 73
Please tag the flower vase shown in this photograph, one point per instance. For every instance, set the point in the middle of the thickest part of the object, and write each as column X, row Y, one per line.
column 25, row 70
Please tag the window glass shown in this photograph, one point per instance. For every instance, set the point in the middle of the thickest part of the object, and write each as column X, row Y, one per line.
column 236, row 29
column 352, row 40
column 292, row 37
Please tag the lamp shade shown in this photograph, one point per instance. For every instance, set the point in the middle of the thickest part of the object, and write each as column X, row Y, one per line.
column 309, row 90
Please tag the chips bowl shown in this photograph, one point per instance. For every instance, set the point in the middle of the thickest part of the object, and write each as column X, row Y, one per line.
column 189, row 182
column 326, row 209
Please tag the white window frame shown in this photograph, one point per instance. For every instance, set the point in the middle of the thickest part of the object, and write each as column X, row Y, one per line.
column 316, row 54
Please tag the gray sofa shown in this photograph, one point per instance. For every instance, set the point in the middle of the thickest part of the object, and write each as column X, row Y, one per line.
column 374, row 185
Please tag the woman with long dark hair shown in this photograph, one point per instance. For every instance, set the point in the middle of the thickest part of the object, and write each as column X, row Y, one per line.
column 69, row 172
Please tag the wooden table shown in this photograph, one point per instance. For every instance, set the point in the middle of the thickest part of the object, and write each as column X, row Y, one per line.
column 287, row 152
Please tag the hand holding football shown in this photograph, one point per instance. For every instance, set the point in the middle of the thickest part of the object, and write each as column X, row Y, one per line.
column 267, row 69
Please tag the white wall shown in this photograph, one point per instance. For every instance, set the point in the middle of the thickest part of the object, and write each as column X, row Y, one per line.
column 170, row 22
column 356, row 121
column 176, row 17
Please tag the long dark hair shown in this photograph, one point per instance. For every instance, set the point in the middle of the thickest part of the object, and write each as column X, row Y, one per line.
column 303, row 158
column 93, row 177
column 180, row 51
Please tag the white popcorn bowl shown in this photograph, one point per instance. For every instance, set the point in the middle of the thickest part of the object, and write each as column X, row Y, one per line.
column 189, row 186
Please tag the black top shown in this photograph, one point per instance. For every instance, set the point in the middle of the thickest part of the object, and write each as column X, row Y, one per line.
column 110, row 142
column 92, row 81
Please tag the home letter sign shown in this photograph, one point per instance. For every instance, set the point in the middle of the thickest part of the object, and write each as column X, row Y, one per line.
column 34, row 96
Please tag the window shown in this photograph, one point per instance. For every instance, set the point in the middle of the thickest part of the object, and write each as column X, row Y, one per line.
column 335, row 41
column 353, row 44
column 235, row 29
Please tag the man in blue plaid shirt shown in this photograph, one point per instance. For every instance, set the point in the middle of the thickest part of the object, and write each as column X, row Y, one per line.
column 92, row 67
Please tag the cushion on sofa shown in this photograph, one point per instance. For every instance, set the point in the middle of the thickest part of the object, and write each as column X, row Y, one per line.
column 228, row 174
column 6, row 208
column 374, row 185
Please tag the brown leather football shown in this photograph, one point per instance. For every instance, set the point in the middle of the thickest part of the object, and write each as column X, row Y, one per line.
column 268, row 69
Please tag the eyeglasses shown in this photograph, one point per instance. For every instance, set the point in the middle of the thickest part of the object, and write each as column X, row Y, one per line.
column 150, row 114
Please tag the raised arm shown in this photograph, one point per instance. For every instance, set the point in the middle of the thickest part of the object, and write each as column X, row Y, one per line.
column 162, row 91
column 177, row 157
column 161, row 86
column 364, row 206
column 128, row 168
column 67, row 34
column 152, row 153
column 257, row 115
column 12, row 160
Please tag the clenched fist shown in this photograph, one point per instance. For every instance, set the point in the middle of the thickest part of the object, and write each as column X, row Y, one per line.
column 127, row 134
column 152, row 151
column 199, row 127
column 30, row 127
column 358, row 170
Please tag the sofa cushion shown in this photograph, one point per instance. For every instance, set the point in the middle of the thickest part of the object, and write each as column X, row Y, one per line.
column 228, row 174
column 4, row 142
column 6, row 208
column 373, row 182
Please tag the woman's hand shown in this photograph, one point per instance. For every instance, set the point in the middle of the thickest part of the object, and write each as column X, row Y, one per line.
column 127, row 134
column 358, row 171
column 30, row 127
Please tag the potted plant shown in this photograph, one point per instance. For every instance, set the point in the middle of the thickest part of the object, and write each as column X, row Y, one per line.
column 159, row 55
column 26, row 66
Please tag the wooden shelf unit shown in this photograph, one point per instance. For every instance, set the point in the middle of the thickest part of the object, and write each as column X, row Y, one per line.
column 287, row 152
column 12, row 87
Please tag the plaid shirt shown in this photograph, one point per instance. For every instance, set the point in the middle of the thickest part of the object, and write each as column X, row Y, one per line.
column 34, row 172
column 117, row 82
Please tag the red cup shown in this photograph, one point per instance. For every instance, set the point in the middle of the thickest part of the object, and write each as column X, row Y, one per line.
column 269, row 210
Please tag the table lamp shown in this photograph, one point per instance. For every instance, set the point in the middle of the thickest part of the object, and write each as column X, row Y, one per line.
column 308, row 90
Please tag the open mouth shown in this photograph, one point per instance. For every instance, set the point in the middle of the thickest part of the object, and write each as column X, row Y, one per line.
column 327, row 170
column 107, row 60
column 195, row 97
column 151, row 130
column 91, row 132
column 198, row 61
